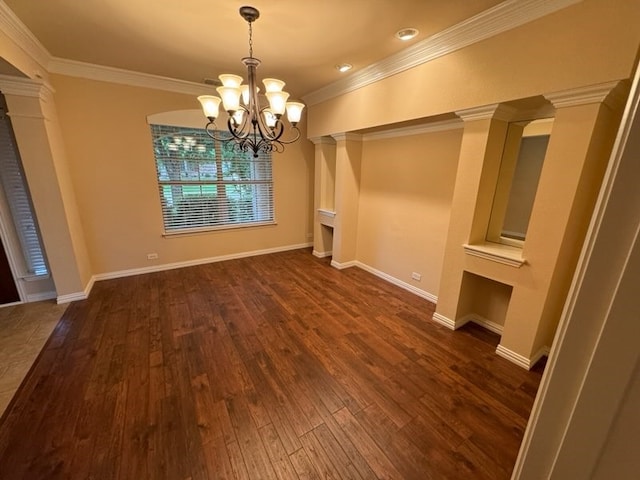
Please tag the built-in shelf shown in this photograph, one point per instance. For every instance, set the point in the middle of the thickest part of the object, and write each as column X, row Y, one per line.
column 496, row 252
column 326, row 217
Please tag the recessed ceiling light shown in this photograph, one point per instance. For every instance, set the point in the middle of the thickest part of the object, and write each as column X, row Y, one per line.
column 344, row 67
column 406, row 34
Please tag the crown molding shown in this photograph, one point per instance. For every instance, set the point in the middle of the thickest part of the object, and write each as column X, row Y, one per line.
column 102, row 73
column 504, row 16
column 445, row 125
column 17, row 31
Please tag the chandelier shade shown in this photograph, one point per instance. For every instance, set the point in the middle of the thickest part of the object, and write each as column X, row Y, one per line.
column 254, row 125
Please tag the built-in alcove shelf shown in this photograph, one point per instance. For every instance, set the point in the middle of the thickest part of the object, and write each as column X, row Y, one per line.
column 496, row 252
column 326, row 217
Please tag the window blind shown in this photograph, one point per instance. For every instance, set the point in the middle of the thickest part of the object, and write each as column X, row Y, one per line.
column 17, row 195
column 205, row 185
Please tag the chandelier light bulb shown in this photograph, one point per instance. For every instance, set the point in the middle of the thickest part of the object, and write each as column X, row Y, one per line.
column 273, row 85
column 230, row 98
column 245, row 93
column 269, row 118
column 238, row 115
column 229, row 80
column 210, row 105
column 294, row 112
column 277, row 102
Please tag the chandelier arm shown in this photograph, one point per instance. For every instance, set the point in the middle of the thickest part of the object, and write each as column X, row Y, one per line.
column 210, row 128
column 291, row 140
column 239, row 131
column 269, row 133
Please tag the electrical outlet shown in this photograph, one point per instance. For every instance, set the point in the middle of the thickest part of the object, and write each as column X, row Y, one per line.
column 416, row 276
column 152, row 256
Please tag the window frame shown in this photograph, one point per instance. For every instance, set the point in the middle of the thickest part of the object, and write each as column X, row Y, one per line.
column 256, row 181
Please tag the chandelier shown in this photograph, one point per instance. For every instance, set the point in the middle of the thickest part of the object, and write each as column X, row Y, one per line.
column 253, row 127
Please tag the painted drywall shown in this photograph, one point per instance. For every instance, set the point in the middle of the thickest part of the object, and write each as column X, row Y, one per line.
column 37, row 133
column 405, row 200
column 484, row 300
column 113, row 171
column 591, row 42
column 20, row 60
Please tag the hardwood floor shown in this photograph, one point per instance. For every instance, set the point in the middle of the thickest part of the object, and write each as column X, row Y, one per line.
column 271, row 367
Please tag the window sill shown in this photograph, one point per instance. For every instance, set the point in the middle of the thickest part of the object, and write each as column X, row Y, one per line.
column 495, row 252
column 34, row 277
column 225, row 228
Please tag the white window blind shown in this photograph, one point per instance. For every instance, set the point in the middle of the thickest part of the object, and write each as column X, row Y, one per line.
column 19, row 201
column 206, row 185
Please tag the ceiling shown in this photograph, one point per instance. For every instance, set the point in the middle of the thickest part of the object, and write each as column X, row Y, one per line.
column 299, row 41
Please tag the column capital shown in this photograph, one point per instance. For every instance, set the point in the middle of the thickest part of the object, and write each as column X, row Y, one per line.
column 495, row 111
column 25, row 87
column 607, row 93
column 322, row 140
column 347, row 136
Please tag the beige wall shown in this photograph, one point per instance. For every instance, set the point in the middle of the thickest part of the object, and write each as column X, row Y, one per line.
column 577, row 47
column 405, row 199
column 592, row 42
column 113, row 172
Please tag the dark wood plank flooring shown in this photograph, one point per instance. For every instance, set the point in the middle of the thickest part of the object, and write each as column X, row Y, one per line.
column 271, row 367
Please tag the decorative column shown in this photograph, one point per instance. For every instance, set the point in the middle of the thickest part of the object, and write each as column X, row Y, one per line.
column 347, row 194
column 35, row 124
column 324, row 196
column 485, row 129
column 584, row 129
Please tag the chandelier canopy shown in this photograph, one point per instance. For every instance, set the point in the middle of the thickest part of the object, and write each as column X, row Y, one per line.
column 253, row 127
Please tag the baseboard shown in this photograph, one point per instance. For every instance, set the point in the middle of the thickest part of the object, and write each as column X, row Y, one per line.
column 521, row 360
column 322, row 254
column 192, row 263
column 478, row 320
column 71, row 297
column 406, row 286
column 342, row 266
column 543, row 352
column 442, row 320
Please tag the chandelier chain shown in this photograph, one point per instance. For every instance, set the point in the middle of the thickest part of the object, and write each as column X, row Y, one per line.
column 250, row 40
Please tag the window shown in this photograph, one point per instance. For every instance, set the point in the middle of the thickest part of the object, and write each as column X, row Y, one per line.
column 207, row 185
column 17, row 202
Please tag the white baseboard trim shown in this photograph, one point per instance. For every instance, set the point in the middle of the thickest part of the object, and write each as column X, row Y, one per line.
column 521, row 360
column 322, row 254
column 442, row 320
column 483, row 322
column 39, row 297
column 514, row 357
column 191, row 263
column 543, row 352
column 342, row 266
column 406, row 286
column 71, row 297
